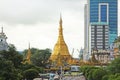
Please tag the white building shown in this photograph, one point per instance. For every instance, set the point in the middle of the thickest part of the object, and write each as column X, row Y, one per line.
column 3, row 43
column 86, row 33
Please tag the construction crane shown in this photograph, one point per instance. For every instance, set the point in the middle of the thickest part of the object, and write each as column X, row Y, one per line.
column 72, row 52
column 80, row 53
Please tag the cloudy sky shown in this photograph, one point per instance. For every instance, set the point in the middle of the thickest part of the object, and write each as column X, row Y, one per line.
column 37, row 22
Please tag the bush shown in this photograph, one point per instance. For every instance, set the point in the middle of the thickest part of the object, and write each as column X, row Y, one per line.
column 105, row 77
column 93, row 73
column 98, row 74
column 114, row 66
column 30, row 74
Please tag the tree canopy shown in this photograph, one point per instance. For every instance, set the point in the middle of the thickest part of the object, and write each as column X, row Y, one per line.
column 10, row 62
column 11, row 67
column 114, row 66
column 39, row 57
column 30, row 74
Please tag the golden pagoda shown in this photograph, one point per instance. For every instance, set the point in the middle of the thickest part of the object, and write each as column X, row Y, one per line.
column 60, row 54
column 28, row 56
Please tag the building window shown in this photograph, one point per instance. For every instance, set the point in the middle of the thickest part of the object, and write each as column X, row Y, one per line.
column 103, row 12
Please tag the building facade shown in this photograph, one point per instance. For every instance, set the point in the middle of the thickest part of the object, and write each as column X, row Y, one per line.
column 99, row 36
column 101, row 23
column 86, row 33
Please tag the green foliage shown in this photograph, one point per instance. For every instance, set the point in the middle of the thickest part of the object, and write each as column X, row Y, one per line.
column 10, row 61
column 117, row 39
column 98, row 74
column 32, row 66
column 2, row 78
column 87, row 69
column 111, row 72
column 8, row 71
column 93, row 73
column 40, row 58
column 114, row 76
column 12, row 55
column 33, row 51
column 11, row 67
column 118, row 78
column 90, row 73
column 105, row 77
column 114, row 70
column 30, row 74
column 114, row 67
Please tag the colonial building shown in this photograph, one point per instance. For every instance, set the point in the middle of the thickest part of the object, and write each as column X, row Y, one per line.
column 117, row 48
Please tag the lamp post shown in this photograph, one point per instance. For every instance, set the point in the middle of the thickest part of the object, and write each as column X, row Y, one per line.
column 61, row 75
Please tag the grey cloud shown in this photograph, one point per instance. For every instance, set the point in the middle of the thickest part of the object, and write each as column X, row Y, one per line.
column 33, row 11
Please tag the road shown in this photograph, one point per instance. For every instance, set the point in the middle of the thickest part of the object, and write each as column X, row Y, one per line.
column 74, row 78
column 67, row 78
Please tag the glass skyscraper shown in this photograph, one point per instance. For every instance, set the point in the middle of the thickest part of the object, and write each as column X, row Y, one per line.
column 101, row 24
column 105, row 11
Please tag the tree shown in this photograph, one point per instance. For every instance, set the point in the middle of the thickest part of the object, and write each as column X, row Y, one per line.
column 111, row 77
column 114, row 70
column 33, row 51
column 98, row 74
column 10, row 63
column 32, row 66
column 30, row 74
column 12, row 55
column 93, row 73
column 105, row 77
column 88, row 71
column 41, row 57
column 114, row 66
column 117, row 39
column 8, row 71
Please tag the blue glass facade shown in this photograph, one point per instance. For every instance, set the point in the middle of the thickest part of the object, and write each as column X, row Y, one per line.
column 105, row 11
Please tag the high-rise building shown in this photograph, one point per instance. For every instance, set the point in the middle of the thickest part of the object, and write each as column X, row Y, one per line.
column 86, row 33
column 100, row 24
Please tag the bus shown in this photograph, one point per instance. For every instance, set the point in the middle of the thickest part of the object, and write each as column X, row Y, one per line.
column 75, row 68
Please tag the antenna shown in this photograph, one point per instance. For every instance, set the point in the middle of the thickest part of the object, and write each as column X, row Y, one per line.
column 29, row 45
column 1, row 28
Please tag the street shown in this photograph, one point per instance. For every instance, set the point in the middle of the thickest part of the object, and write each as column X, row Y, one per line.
column 67, row 78
column 73, row 78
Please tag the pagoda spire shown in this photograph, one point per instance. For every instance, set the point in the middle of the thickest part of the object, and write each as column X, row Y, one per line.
column 60, row 36
column 28, row 56
column 29, row 46
column 60, row 48
column 2, row 29
column 60, row 26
